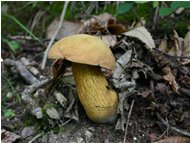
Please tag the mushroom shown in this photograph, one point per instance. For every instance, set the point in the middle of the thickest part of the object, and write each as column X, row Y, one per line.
column 88, row 54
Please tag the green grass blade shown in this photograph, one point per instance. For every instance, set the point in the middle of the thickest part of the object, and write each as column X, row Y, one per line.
column 24, row 28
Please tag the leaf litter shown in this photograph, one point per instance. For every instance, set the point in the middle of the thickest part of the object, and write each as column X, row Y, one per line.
column 157, row 79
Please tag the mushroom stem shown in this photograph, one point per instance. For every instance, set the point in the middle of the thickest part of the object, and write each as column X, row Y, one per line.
column 99, row 101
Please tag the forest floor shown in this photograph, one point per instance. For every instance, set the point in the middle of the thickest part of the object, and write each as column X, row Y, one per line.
column 154, row 103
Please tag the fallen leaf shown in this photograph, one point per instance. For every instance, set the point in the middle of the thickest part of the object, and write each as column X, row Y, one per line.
column 8, row 137
column 143, row 35
column 104, row 23
column 178, row 43
column 67, row 28
column 116, row 29
column 109, row 39
column 164, row 45
column 52, row 113
column 174, row 139
column 186, row 48
column 170, row 78
column 58, row 68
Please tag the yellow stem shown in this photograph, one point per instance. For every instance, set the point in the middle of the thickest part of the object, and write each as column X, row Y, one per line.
column 99, row 101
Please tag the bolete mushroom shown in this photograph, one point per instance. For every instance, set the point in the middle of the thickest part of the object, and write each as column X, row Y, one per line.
column 87, row 54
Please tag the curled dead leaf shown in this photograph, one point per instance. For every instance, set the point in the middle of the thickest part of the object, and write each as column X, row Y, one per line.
column 170, row 78
column 164, row 45
column 175, row 139
column 8, row 137
column 58, row 68
column 186, row 48
column 104, row 23
column 143, row 35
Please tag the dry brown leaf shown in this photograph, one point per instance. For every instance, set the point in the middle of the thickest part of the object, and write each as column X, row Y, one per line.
column 178, row 43
column 8, row 137
column 170, row 78
column 186, row 48
column 116, row 29
column 143, row 35
column 104, row 23
column 164, row 45
column 67, row 28
column 175, row 139
column 58, row 68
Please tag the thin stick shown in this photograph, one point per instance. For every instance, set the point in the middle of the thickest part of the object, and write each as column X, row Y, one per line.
column 56, row 32
column 127, row 124
column 35, row 138
column 172, row 128
column 166, row 54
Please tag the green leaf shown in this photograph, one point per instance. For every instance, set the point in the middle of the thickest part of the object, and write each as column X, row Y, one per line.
column 124, row 7
column 164, row 11
column 177, row 4
column 141, row 2
column 9, row 113
column 155, row 4
column 13, row 45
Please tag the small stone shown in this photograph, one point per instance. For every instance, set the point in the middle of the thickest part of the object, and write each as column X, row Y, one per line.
column 91, row 129
column 134, row 138
column 38, row 112
column 28, row 131
column 88, row 136
column 52, row 113
column 80, row 140
column 9, row 95
column 60, row 98
column 39, row 93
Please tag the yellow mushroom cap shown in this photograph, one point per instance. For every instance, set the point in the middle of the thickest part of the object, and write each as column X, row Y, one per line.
column 84, row 49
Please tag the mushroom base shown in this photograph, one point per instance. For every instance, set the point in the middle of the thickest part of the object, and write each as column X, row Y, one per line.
column 99, row 101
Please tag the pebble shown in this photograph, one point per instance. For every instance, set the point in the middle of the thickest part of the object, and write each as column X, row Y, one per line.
column 88, row 136
column 38, row 112
column 9, row 95
column 52, row 113
column 28, row 131
column 80, row 140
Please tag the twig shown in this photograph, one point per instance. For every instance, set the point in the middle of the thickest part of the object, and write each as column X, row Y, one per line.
column 66, row 122
column 172, row 128
column 35, row 138
column 37, row 19
column 56, row 32
column 166, row 54
column 23, row 71
column 156, row 17
column 128, row 117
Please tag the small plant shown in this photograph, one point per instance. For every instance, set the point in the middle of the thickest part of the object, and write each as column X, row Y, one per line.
column 9, row 113
column 13, row 45
column 164, row 10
